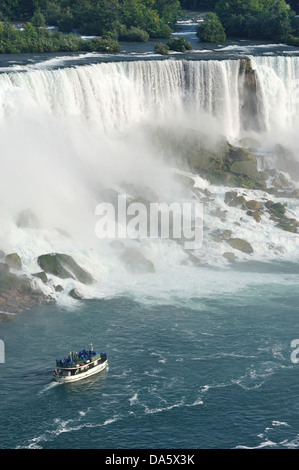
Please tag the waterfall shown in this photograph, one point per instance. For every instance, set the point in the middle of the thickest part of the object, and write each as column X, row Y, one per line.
column 70, row 122
column 69, row 134
column 112, row 96
column 278, row 93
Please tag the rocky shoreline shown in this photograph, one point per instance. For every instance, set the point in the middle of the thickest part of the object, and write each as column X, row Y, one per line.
column 19, row 292
column 229, row 167
column 16, row 293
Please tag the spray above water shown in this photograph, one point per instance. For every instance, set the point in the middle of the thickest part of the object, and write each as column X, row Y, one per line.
column 73, row 138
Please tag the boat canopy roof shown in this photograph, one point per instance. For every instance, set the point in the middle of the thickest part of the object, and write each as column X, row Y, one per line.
column 77, row 358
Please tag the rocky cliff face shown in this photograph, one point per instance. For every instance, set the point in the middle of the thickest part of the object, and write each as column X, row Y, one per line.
column 250, row 111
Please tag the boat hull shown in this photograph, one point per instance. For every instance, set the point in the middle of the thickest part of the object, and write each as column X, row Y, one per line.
column 81, row 375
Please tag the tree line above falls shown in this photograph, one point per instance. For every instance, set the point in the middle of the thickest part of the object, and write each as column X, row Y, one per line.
column 111, row 21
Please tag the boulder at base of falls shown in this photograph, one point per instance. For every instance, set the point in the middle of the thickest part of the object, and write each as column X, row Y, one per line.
column 286, row 161
column 253, row 205
column 75, row 294
column 136, row 261
column 233, row 199
column 16, row 293
column 231, row 257
column 241, row 245
column 42, row 275
column 14, row 261
column 227, row 164
column 65, row 267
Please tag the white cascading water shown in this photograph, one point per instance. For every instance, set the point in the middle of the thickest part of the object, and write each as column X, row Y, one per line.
column 65, row 132
column 118, row 94
column 278, row 95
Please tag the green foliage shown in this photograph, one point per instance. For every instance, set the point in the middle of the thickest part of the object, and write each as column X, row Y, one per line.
column 179, row 45
column 162, row 49
column 168, row 11
column 292, row 41
column 38, row 19
column 211, row 29
column 134, row 34
column 198, row 4
column 263, row 19
column 98, row 17
column 39, row 40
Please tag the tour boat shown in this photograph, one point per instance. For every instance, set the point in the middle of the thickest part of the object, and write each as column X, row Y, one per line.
column 79, row 365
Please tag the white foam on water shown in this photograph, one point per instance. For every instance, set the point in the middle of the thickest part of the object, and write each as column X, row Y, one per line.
column 84, row 128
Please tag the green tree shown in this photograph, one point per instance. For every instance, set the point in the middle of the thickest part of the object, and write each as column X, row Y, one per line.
column 38, row 19
column 277, row 20
column 264, row 19
column 168, row 10
column 211, row 29
column 97, row 17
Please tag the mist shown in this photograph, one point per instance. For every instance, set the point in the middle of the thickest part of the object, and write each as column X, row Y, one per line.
column 75, row 137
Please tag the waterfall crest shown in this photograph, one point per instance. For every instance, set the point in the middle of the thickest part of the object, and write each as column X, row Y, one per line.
column 114, row 95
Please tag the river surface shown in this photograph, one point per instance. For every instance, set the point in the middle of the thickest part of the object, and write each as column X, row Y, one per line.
column 232, row 49
column 215, row 372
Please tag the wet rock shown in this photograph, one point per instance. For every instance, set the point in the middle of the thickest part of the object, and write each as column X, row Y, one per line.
column 41, row 275
column 64, row 266
column 233, row 199
column 246, row 168
column 75, row 294
column 241, row 245
column 277, row 209
column 269, row 204
column 287, row 226
column 286, row 161
column 255, row 214
column 253, row 205
column 16, row 293
column 250, row 113
column 231, row 257
column 14, row 261
column 220, row 235
column 277, row 214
